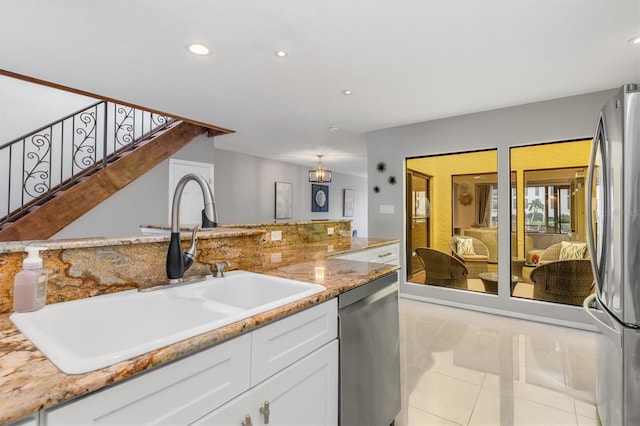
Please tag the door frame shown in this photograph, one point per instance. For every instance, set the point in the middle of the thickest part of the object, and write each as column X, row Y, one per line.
column 409, row 217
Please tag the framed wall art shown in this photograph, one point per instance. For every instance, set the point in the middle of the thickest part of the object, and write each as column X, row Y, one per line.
column 319, row 198
column 348, row 203
column 284, row 200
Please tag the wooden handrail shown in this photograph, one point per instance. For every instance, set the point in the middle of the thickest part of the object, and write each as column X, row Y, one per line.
column 212, row 128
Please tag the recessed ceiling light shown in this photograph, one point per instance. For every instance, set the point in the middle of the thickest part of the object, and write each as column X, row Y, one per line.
column 346, row 92
column 334, row 128
column 281, row 53
column 198, row 49
column 635, row 40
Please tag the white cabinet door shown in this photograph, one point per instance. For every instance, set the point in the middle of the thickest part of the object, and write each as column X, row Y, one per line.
column 236, row 412
column 192, row 200
column 177, row 393
column 305, row 393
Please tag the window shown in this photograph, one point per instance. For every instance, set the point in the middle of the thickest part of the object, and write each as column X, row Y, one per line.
column 548, row 210
column 460, row 250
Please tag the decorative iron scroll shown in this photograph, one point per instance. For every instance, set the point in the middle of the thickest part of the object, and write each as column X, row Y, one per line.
column 158, row 121
column 37, row 160
column 124, row 126
column 58, row 154
column 85, row 140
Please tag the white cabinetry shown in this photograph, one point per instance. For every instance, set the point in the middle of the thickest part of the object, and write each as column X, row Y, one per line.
column 305, row 393
column 178, row 393
column 287, row 362
column 288, row 340
column 389, row 254
column 31, row 420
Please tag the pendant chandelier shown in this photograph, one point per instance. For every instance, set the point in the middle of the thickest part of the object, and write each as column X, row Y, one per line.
column 319, row 174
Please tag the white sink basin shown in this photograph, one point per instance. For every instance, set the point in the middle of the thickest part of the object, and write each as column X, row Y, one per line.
column 88, row 334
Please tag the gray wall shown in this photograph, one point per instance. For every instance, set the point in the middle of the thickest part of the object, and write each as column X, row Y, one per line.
column 556, row 120
column 244, row 191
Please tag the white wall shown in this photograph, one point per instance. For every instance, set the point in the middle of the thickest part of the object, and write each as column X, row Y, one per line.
column 25, row 106
column 556, row 120
column 244, row 191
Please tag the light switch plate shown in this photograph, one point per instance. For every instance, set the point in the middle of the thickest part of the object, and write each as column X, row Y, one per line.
column 386, row 209
column 329, row 231
column 276, row 235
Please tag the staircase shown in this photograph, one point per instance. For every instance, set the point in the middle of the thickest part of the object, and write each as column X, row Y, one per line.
column 54, row 175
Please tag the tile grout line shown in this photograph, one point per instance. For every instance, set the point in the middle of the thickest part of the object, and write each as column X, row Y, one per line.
column 475, row 403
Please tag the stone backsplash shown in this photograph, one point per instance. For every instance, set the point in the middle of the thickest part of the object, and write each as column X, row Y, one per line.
column 90, row 267
column 86, row 268
column 301, row 232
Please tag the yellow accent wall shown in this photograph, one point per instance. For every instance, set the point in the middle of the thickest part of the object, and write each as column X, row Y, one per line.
column 441, row 168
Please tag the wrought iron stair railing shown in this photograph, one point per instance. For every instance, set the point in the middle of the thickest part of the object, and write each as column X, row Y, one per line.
column 34, row 167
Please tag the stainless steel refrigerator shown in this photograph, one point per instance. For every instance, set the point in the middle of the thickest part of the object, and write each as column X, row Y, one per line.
column 613, row 218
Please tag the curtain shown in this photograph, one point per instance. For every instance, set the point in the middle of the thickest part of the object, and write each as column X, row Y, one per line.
column 483, row 197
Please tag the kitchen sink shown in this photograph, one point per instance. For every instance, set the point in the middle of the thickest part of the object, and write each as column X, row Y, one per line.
column 253, row 291
column 87, row 334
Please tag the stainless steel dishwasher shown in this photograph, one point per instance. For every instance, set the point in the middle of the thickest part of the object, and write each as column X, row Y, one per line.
column 370, row 353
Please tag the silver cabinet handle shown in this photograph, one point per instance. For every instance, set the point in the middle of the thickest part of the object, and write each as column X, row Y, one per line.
column 247, row 421
column 264, row 410
column 385, row 255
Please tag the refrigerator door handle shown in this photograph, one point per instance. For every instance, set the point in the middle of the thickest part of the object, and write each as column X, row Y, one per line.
column 609, row 332
column 599, row 144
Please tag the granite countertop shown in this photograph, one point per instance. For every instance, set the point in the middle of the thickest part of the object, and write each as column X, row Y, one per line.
column 274, row 257
column 19, row 246
column 30, row 382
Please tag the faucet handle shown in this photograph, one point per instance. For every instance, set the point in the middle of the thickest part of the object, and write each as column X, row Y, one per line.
column 220, row 268
column 191, row 251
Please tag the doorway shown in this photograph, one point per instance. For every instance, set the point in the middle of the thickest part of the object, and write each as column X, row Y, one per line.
column 192, row 199
column 418, row 218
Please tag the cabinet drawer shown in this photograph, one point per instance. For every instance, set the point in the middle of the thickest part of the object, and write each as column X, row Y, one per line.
column 177, row 393
column 384, row 254
column 359, row 256
column 282, row 343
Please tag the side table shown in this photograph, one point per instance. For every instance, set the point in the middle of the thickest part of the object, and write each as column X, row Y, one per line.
column 490, row 281
column 526, row 271
column 517, row 264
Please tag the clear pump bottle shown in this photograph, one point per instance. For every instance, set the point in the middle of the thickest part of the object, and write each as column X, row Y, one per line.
column 30, row 284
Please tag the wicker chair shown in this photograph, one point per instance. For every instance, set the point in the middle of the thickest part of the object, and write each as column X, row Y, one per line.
column 475, row 263
column 552, row 253
column 442, row 269
column 563, row 281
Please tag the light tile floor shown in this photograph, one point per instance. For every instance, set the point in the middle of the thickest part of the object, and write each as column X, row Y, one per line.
column 461, row 367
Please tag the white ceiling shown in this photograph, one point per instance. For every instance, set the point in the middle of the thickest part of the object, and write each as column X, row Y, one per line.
column 405, row 61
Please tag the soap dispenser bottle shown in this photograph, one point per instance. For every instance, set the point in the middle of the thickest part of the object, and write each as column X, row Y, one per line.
column 30, row 284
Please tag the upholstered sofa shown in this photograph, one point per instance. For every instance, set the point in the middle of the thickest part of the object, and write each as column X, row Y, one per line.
column 553, row 253
column 489, row 236
column 541, row 240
